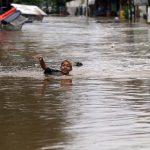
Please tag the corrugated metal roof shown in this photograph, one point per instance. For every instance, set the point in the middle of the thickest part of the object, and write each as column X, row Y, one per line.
column 29, row 9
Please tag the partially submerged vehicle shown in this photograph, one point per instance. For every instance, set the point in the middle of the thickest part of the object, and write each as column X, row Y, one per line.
column 10, row 17
column 13, row 16
column 31, row 12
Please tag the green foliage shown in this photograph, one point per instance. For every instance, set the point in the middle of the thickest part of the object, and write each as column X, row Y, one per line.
column 30, row 2
column 55, row 4
column 38, row 2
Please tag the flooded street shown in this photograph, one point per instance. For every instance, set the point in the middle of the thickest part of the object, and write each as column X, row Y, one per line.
column 103, row 105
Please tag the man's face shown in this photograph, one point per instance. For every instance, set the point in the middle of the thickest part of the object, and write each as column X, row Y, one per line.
column 65, row 68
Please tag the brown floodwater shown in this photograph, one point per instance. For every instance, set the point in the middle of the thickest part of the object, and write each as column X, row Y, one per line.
column 103, row 105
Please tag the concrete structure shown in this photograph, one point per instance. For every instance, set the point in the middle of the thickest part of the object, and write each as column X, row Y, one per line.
column 73, row 7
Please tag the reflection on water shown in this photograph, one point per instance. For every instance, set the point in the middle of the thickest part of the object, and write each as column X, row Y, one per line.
column 103, row 105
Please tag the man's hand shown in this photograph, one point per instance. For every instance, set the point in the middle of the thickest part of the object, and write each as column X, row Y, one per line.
column 41, row 61
column 38, row 57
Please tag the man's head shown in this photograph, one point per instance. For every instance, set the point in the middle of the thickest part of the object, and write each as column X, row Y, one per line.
column 66, row 67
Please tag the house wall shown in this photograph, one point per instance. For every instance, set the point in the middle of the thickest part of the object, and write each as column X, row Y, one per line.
column 108, row 8
column 72, row 6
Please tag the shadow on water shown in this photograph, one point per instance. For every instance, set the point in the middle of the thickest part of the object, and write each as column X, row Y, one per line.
column 32, row 116
column 104, row 103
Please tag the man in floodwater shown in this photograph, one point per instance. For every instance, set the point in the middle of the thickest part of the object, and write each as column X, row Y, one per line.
column 65, row 68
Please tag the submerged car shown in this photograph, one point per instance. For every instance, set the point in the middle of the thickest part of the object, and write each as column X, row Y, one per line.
column 10, row 17
column 12, row 20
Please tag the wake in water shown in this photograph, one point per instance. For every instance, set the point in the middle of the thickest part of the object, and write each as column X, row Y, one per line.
column 78, row 73
column 22, row 73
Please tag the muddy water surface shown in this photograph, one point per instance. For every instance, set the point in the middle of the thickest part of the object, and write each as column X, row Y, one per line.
column 103, row 105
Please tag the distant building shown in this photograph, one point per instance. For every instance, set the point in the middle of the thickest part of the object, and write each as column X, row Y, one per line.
column 99, row 7
column 125, row 9
column 74, row 6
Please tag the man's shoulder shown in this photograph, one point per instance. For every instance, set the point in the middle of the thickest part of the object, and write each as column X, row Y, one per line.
column 50, row 71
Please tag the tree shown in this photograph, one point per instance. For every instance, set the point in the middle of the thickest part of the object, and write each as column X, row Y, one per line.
column 29, row 2
column 56, row 5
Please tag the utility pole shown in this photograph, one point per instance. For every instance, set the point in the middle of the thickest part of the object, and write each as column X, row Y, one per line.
column 46, row 4
column 87, row 6
column 131, row 10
